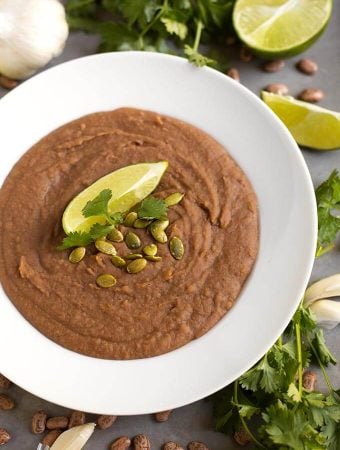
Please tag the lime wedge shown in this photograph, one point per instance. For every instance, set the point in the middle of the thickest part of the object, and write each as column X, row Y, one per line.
column 310, row 125
column 280, row 28
column 129, row 186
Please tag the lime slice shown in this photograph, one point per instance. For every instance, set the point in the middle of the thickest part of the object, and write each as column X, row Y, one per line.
column 310, row 125
column 129, row 186
column 280, row 28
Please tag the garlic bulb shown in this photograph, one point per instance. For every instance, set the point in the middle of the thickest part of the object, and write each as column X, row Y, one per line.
column 32, row 32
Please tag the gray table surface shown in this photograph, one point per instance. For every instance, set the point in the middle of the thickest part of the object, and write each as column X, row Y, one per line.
column 194, row 422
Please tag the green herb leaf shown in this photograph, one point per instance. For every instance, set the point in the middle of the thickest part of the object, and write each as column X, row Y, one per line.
column 328, row 202
column 75, row 239
column 322, row 350
column 98, row 230
column 174, row 27
column 197, row 58
column 152, row 208
column 117, row 218
column 98, row 206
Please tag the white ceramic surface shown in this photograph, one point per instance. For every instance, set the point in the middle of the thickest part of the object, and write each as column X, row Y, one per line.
column 267, row 153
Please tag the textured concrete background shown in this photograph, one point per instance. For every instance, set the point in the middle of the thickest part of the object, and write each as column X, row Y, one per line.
column 194, row 422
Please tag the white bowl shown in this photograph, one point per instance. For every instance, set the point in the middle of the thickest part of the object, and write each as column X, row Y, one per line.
column 267, row 153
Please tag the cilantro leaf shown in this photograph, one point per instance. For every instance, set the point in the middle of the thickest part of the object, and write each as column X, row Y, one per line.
column 289, row 428
column 261, row 376
column 247, row 411
column 98, row 206
column 174, row 27
column 117, row 218
column 197, row 58
column 321, row 349
column 98, row 230
column 152, row 208
column 328, row 203
column 75, row 239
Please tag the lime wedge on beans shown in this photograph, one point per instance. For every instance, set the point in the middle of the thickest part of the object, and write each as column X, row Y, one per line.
column 129, row 186
column 310, row 125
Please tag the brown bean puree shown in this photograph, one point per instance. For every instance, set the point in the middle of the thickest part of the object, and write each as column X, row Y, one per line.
column 169, row 303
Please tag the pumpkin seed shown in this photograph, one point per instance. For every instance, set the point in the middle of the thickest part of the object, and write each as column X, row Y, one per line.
column 157, row 233
column 150, row 250
column 130, row 219
column 117, row 261
column 137, row 265
column 176, row 247
column 162, row 224
column 115, row 235
column 105, row 247
column 173, row 199
column 133, row 256
column 106, row 280
column 77, row 255
column 132, row 240
column 141, row 223
column 157, row 230
column 153, row 258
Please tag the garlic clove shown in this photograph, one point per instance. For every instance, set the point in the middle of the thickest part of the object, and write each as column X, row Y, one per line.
column 327, row 313
column 32, row 32
column 75, row 438
column 327, row 287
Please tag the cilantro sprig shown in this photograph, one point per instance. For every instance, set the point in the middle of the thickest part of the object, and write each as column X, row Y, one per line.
column 168, row 26
column 328, row 203
column 271, row 394
column 97, row 207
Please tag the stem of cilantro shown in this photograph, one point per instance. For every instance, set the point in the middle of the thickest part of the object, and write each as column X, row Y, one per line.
column 331, row 388
column 279, row 342
column 154, row 20
column 199, row 29
column 244, row 423
column 299, row 355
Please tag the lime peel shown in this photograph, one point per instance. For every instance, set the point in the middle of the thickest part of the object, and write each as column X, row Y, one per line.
column 280, row 28
column 311, row 126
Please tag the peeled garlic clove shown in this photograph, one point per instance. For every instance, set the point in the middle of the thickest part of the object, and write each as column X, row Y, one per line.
column 32, row 32
column 327, row 313
column 327, row 287
column 75, row 438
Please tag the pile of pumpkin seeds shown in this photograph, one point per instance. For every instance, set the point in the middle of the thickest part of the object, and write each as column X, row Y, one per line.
column 135, row 261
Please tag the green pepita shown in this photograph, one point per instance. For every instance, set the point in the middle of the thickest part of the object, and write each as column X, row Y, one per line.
column 141, row 223
column 105, row 247
column 161, row 224
column 137, row 265
column 115, row 235
column 77, row 255
column 176, row 247
column 150, row 250
column 153, row 258
column 117, row 261
column 173, row 199
column 157, row 232
column 133, row 256
column 132, row 240
column 130, row 219
column 106, row 280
